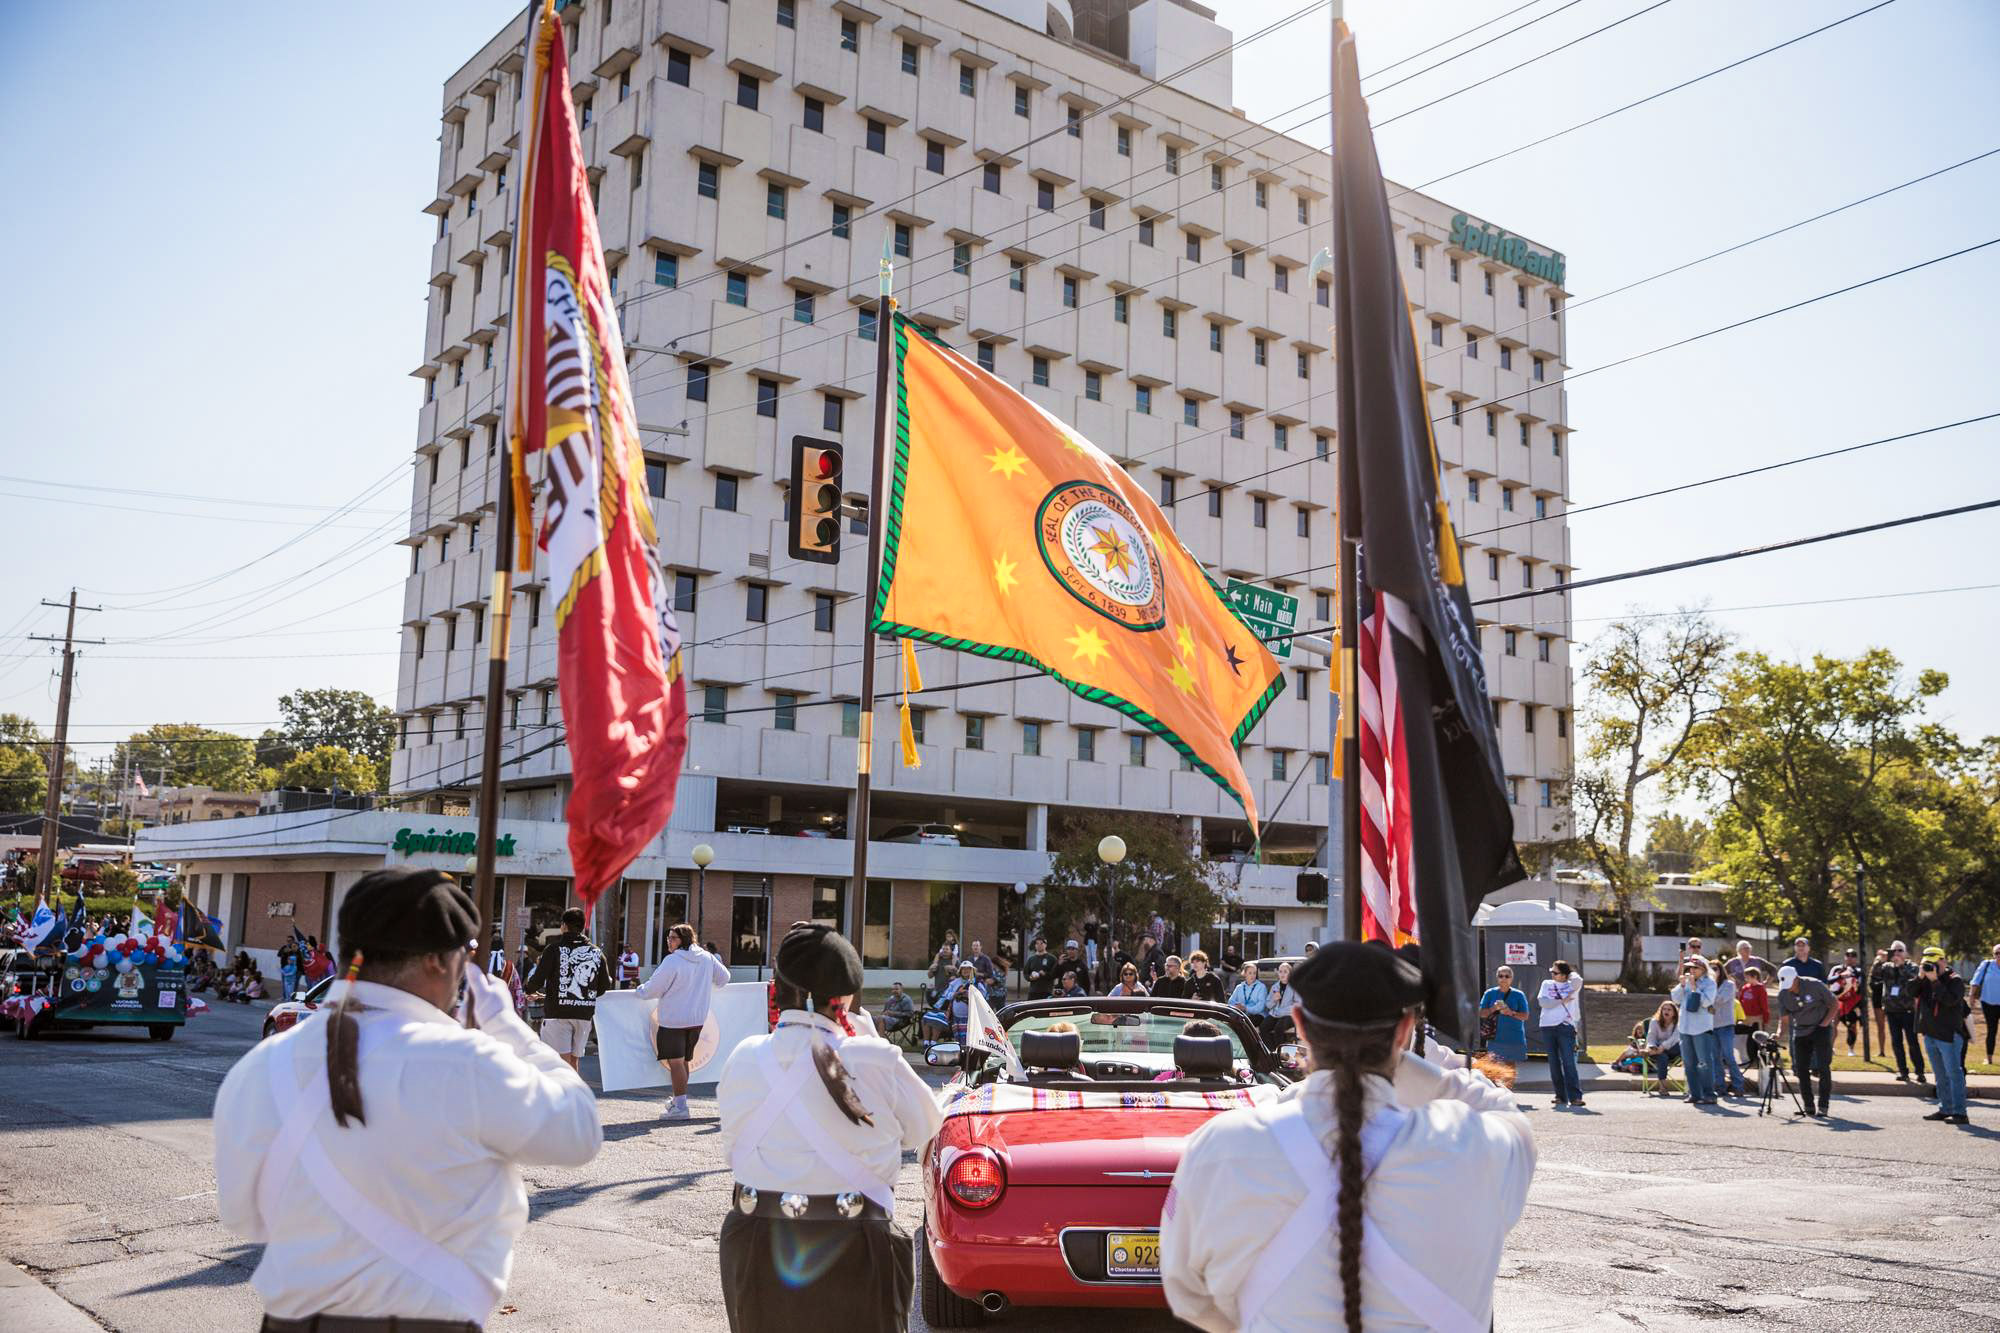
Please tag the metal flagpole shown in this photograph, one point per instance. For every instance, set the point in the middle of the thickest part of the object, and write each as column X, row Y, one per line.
column 1346, row 584
column 500, row 601
column 885, row 331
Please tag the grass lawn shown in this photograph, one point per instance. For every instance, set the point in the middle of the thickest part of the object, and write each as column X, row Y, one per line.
column 1843, row 1063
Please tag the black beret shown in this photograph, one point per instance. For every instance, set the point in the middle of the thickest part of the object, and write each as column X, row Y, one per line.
column 818, row 961
column 407, row 909
column 1348, row 982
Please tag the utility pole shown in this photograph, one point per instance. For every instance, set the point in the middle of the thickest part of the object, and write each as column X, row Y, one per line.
column 52, row 804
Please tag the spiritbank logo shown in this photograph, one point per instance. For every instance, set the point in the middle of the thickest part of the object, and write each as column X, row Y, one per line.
column 1512, row 251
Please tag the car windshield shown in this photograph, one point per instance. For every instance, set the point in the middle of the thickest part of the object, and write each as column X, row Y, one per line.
column 1150, row 1033
column 319, row 990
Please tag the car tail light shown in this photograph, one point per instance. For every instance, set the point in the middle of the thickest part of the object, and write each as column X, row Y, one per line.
column 975, row 1179
column 283, row 1019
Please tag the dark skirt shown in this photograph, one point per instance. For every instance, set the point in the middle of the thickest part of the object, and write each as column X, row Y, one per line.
column 782, row 1277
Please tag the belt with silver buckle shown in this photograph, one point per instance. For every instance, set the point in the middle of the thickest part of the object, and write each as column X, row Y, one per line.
column 793, row 1207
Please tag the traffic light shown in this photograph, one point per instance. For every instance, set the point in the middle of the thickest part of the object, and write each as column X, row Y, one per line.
column 812, row 511
column 1312, row 886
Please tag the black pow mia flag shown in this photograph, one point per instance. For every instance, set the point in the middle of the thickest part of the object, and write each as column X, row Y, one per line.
column 1461, row 827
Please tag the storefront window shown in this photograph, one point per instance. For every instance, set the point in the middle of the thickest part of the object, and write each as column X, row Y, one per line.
column 749, row 921
column 545, row 900
column 875, row 924
column 670, row 908
column 945, row 902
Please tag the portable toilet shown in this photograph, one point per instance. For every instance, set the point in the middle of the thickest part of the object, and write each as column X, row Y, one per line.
column 1528, row 936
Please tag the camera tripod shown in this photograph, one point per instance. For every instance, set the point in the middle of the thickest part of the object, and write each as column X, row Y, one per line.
column 1771, row 1067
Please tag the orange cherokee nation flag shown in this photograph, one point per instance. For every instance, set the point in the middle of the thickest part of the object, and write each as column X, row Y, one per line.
column 1011, row 536
column 618, row 647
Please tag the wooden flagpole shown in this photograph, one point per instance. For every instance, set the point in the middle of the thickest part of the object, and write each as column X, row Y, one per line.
column 864, row 752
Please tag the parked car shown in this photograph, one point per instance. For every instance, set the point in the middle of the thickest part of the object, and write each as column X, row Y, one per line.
column 1055, row 1201
column 285, row 1013
column 935, row 835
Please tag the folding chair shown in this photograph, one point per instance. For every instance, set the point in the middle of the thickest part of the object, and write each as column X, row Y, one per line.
column 1668, row 1083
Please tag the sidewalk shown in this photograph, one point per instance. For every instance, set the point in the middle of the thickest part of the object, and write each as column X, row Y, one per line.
column 1533, row 1076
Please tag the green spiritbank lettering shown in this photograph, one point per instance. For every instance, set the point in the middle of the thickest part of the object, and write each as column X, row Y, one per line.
column 1509, row 250
column 408, row 840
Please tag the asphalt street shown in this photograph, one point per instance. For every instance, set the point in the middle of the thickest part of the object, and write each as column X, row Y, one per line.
column 1644, row 1214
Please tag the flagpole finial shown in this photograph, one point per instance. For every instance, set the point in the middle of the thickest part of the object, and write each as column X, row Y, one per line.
column 888, row 261
column 1321, row 262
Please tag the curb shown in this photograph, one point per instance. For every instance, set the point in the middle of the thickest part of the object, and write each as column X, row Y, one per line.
column 41, row 1306
column 1849, row 1087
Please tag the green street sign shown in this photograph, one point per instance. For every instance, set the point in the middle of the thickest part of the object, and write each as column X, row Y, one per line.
column 1268, row 612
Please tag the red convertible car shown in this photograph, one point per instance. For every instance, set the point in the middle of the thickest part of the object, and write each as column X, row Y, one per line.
column 1045, row 1184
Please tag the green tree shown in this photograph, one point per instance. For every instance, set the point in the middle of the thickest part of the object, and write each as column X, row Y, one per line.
column 1652, row 685
column 117, row 881
column 346, row 718
column 1160, row 873
column 186, row 754
column 24, row 769
column 1677, row 844
column 1809, row 762
column 327, row 766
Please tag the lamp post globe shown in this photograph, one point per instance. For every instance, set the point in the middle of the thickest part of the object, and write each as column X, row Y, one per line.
column 701, row 856
column 1111, row 849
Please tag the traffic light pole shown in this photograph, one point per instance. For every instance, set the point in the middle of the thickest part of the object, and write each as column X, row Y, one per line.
column 864, row 750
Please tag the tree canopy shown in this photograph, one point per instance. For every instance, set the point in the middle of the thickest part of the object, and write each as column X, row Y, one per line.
column 186, row 754
column 1828, row 773
column 348, row 719
column 24, row 771
column 327, row 766
column 1160, row 873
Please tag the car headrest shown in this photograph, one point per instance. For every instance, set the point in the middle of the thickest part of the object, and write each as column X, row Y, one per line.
column 1203, row 1057
column 1051, row 1050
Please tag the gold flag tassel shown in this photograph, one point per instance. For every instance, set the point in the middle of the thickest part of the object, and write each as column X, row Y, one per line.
column 912, row 680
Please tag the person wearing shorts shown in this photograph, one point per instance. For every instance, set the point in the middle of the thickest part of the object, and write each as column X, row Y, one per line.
column 675, row 1043
column 568, row 978
column 683, row 985
column 567, row 1037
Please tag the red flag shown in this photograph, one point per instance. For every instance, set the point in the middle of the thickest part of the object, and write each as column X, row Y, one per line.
column 618, row 647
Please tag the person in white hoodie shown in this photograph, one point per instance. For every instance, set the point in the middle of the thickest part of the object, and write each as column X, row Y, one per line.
column 1377, row 1193
column 684, row 983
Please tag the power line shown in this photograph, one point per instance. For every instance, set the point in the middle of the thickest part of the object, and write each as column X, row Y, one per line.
column 1734, row 476
column 1559, row 588
column 1650, row 97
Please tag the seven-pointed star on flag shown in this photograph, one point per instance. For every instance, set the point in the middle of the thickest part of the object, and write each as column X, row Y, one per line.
column 1003, row 573
column 1088, row 643
column 1008, row 462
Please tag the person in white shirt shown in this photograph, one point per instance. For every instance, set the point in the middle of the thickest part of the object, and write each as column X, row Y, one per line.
column 375, row 1149
column 1400, row 1226
column 1696, row 997
column 1561, row 1019
column 684, row 983
column 628, row 967
column 815, row 1122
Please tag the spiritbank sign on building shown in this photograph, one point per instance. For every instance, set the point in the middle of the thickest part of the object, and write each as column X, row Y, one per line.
column 1480, row 239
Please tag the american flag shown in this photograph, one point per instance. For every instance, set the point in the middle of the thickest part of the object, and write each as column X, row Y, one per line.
column 1388, row 906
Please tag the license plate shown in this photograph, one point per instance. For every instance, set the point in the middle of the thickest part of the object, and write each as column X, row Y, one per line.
column 1132, row 1254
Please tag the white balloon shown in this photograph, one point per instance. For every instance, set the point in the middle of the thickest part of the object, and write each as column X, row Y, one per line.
column 124, row 964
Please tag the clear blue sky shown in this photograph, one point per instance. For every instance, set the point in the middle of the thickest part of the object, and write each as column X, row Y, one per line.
column 223, row 296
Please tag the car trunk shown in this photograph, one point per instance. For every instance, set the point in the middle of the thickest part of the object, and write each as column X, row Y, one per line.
column 1089, row 1145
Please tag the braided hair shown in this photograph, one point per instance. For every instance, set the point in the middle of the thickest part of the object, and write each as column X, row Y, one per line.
column 826, row 1061
column 1348, row 1052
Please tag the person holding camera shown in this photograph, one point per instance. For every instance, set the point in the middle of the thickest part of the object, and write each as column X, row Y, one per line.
column 1696, row 997
column 1560, row 1003
column 1900, row 1010
column 1941, row 1011
column 1807, row 1012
